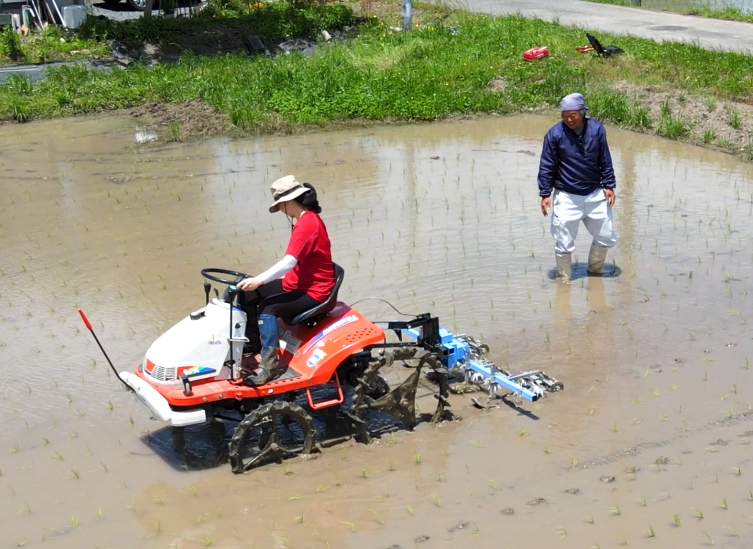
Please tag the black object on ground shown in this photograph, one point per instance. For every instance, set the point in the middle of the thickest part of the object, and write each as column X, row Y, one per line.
column 605, row 51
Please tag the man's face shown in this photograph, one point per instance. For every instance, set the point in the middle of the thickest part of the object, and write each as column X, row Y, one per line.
column 572, row 119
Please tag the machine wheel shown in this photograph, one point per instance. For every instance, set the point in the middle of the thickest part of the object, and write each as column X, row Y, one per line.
column 272, row 432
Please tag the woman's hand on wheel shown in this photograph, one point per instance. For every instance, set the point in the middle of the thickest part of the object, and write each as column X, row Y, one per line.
column 250, row 284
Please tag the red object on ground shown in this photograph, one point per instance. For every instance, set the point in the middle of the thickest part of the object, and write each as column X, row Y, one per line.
column 536, row 53
column 584, row 49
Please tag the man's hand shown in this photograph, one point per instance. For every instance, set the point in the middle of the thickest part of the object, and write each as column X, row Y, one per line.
column 610, row 197
column 546, row 204
column 250, row 284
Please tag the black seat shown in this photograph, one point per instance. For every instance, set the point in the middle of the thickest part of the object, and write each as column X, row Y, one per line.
column 312, row 316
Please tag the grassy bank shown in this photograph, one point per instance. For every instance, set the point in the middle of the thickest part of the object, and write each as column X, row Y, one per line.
column 728, row 14
column 457, row 64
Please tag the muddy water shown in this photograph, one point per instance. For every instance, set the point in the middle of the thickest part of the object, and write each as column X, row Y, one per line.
column 441, row 218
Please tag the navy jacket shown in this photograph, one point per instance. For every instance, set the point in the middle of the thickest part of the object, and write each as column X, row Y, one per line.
column 576, row 164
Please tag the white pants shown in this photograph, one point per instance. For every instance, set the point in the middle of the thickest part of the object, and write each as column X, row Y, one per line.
column 568, row 210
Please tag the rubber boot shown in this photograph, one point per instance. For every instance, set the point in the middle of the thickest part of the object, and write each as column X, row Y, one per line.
column 596, row 258
column 564, row 267
column 269, row 368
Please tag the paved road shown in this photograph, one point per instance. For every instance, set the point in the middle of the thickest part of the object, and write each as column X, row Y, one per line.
column 122, row 11
column 619, row 20
column 35, row 73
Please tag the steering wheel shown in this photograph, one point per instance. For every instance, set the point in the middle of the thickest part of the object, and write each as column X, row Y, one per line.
column 211, row 274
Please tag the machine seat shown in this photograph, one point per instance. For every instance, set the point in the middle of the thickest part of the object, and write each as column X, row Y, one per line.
column 312, row 316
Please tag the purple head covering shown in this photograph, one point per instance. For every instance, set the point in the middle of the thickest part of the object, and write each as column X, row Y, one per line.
column 573, row 102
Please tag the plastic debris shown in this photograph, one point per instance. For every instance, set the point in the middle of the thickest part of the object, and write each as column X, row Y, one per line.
column 142, row 137
column 533, row 54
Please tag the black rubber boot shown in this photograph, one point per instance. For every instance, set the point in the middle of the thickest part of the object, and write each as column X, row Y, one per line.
column 268, row 370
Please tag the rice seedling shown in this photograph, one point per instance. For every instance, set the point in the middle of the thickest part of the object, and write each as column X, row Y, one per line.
column 676, row 519
column 615, row 511
column 723, row 503
column 409, row 509
column 74, row 521
column 435, row 499
column 417, row 458
column 698, row 513
column 590, row 518
column 650, row 532
column 708, row 537
column 561, row 533
column 377, row 516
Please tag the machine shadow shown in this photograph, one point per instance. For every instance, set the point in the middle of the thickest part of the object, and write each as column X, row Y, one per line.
column 205, row 446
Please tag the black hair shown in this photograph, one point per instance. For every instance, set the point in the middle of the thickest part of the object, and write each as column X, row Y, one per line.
column 308, row 199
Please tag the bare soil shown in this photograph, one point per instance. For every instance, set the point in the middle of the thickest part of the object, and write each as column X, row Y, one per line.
column 179, row 121
column 713, row 123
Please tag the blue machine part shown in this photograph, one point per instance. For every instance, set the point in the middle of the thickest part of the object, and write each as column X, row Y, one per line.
column 457, row 354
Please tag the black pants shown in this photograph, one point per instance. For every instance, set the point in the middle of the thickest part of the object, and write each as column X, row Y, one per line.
column 271, row 299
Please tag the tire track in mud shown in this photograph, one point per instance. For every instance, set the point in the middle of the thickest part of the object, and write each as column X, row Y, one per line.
column 643, row 446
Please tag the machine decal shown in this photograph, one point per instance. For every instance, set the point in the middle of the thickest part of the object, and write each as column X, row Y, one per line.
column 195, row 370
column 316, row 356
column 339, row 324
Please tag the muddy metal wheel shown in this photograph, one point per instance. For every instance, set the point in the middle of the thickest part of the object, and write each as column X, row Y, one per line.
column 272, row 432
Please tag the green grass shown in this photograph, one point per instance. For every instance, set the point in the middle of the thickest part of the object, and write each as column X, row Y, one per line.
column 52, row 44
column 427, row 74
column 729, row 13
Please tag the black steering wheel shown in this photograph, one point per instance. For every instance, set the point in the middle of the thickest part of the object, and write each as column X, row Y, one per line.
column 211, row 274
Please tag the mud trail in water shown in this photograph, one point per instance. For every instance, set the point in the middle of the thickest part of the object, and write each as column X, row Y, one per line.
column 649, row 443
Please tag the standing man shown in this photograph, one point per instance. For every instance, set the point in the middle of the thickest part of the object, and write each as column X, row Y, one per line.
column 576, row 180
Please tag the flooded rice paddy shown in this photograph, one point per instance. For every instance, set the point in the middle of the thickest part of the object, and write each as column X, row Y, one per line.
column 649, row 443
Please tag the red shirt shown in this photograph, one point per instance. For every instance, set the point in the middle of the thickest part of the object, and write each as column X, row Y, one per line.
column 314, row 272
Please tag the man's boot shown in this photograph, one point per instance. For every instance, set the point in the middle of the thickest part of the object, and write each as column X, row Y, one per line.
column 596, row 258
column 564, row 266
column 269, row 368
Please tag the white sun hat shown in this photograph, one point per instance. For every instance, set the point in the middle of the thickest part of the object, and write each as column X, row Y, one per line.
column 284, row 189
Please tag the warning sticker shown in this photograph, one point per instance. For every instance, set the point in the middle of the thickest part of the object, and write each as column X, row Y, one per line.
column 289, row 343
